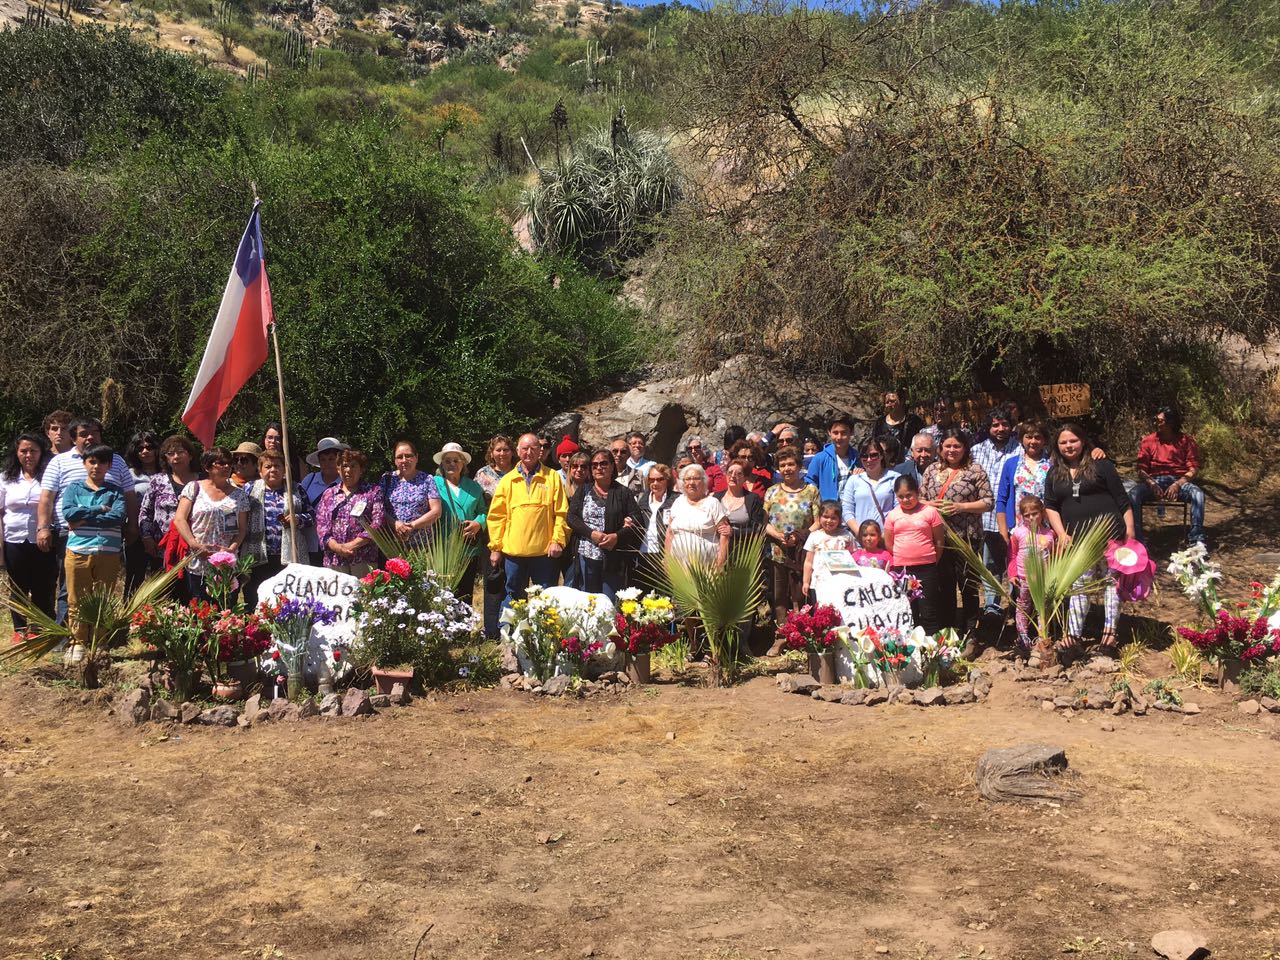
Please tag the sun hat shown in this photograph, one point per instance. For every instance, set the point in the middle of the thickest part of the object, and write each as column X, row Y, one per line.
column 1128, row 556
column 566, row 446
column 325, row 445
column 247, row 447
column 452, row 448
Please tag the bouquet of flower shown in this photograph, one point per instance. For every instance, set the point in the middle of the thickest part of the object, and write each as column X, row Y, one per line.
column 936, row 653
column 171, row 634
column 575, row 652
column 812, row 629
column 1247, row 638
column 1198, row 576
column 643, row 623
column 538, row 631
column 890, row 653
column 229, row 637
column 908, row 583
column 290, row 622
column 408, row 617
column 222, row 582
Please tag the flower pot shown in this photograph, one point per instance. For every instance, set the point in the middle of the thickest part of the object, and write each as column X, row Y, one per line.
column 384, row 680
column 822, row 667
column 638, row 668
column 245, row 672
column 1229, row 675
column 228, row 689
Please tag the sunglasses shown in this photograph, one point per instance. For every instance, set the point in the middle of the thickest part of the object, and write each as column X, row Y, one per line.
column 601, row 464
column 246, row 458
column 146, row 446
column 871, row 456
column 221, row 463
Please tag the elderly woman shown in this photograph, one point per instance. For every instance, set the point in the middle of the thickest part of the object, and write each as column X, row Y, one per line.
column 868, row 495
column 212, row 516
column 605, row 518
column 654, row 507
column 412, row 495
column 960, row 491
column 499, row 459
column 160, row 503
column 1078, row 490
column 465, row 508
column 1022, row 475
column 698, row 526
column 270, row 542
column 143, row 457
column 791, row 510
column 340, row 513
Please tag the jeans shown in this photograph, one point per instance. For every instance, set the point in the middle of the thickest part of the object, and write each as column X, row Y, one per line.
column 60, row 558
column 995, row 557
column 594, row 577
column 1188, row 493
column 520, row 571
column 33, row 574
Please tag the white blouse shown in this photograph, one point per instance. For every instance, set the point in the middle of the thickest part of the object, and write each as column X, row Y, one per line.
column 18, row 502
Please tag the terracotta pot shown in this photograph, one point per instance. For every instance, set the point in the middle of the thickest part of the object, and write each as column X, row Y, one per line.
column 1229, row 677
column 228, row 689
column 638, row 668
column 822, row 667
column 384, row 680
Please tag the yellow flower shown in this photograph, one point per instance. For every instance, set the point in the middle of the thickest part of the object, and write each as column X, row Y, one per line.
column 628, row 608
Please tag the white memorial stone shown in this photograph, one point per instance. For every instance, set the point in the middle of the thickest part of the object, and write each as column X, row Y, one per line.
column 299, row 581
column 865, row 597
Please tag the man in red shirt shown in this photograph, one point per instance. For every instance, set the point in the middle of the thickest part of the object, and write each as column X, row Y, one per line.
column 1168, row 460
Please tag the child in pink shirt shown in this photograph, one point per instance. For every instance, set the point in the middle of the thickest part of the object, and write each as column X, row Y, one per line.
column 1031, row 533
column 914, row 534
column 872, row 552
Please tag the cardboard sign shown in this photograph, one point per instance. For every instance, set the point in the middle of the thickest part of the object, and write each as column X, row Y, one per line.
column 299, row 581
column 1065, row 399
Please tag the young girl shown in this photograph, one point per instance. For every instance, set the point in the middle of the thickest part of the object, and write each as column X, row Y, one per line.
column 1032, row 533
column 914, row 535
column 828, row 548
column 872, row 552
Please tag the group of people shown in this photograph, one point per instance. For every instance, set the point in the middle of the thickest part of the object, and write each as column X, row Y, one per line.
column 76, row 513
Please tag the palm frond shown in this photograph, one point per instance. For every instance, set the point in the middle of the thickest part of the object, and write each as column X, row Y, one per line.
column 444, row 553
column 975, row 564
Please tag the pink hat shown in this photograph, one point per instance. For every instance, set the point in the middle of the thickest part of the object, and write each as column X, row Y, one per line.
column 1128, row 556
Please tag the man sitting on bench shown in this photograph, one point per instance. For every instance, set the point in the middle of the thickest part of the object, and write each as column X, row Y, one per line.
column 1168, row 460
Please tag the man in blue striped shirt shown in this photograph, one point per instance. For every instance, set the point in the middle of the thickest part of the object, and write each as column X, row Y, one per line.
column 95, row 512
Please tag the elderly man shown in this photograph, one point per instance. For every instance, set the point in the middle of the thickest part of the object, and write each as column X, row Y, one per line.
column 528, row 521
column 1168, row 460
column 700, row 455
column 922, row 453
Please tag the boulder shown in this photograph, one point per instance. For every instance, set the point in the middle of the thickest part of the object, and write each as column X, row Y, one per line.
column 855, row 698
column 163, row 709
column 355, row 704
column 797, row 683
column 965, row 693
column 253, row 705
column 1179, row 945
column 829, row 694
column 331, row 705
column 222, row 716
column 556, row 686
column 308, row 709
column 1249, row 707
column 932, row 697
column 876, row 697
column 134, row 707
column 278, row 709
column 380, row 701
column 188, row 712
column 1270, row 704
column 399, row 695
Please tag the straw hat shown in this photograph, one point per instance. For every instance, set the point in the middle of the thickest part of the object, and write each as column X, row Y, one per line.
column 328, row 443
column 452, row 448
column 250, row 448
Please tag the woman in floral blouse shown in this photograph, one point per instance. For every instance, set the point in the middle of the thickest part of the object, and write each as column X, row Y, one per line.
column 1022, row 474
column 792, row 509
column 339, row 514
column 961, row 492
column 499, row 459
column 412, row 495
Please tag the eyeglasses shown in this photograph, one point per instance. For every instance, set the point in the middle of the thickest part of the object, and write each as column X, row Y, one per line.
column 600, row 464
column 220, row 463
column 871, row 456
column 619, row 452
column 146, row 446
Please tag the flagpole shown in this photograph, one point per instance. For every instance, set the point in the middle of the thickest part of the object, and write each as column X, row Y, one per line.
column 288, row 458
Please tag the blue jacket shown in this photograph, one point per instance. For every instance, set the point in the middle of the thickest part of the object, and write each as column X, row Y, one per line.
column 824, row 471
column 99, row 515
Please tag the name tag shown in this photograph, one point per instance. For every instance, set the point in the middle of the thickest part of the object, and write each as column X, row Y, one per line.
column 357, row 510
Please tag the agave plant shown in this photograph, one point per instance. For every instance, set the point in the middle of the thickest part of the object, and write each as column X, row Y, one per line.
column 444, row 553
column 106, row 613
column 1051, row 581
column 724, row 598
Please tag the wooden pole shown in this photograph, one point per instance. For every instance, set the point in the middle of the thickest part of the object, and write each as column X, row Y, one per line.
column 288, row 458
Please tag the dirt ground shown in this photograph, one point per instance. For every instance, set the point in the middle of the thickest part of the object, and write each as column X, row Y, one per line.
column 669, row 822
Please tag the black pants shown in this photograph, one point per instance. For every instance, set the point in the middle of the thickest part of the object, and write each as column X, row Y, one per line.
column 467, row 584
column 925, row 611
column 495, row 590
column 262, row 571
column 138, row 565
column 953, row 573
column 34, row 574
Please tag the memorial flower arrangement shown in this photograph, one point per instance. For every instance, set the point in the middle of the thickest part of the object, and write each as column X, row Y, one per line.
column 290, row 621
column 230, row 637
column 1247, row 639
column 812, row 629
column 538, row 626
column 171, row 635
column 890, row 653
column 575, row 652
column 225, row 573
column 643, row 622
column 406, row 616
column 936, row 654
column 909, row 584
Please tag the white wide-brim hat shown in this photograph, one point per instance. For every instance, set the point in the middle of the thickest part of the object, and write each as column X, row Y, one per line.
column 452, row 448
column 326, row 444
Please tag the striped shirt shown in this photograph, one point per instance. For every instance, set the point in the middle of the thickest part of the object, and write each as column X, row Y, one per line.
column 66, row 468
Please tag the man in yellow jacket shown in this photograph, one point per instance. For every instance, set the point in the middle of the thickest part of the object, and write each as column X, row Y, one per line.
column 528, row 529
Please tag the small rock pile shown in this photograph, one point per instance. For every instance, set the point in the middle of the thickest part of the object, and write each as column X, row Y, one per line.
column 1254, row 707
column 138, row 707
column 611, row 682
column 971, row 691
column 1115, row 702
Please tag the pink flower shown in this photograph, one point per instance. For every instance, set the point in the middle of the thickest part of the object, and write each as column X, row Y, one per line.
column 399, row 566
column 223, row 558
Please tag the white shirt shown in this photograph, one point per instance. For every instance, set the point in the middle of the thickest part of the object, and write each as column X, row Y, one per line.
column 830, row 553
column 19, row 500
column 693, row 528
column 652, row 544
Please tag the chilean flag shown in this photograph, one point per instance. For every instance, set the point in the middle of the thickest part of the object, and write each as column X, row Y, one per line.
column 238, row 344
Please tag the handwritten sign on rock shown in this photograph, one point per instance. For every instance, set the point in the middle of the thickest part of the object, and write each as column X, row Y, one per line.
column 298, row 581
column 1066, row 399
column 865, row 597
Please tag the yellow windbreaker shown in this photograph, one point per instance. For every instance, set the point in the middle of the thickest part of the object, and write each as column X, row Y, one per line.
column 525, row 516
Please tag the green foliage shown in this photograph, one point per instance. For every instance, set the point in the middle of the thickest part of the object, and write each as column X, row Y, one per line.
column 1262, row 680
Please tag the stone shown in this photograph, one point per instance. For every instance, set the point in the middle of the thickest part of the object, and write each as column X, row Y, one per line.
column 933, row 697
column 1119, row 706
column 1191, row 709
column 164, row 710
column 829, row 694
column 1097, row 699
column 188, row 712
column 134, row 707
column 981, row 688
column 356, row 703
column 511, row 681
column 380, row 701
column 671, row 735
column 556, row 686
column 855, row 698
column 1138, row 705
column 308, row 709
column 400, row 696
column 253, row 705
column 1067, row 703
column 1179, row 945
column 279, row 707
column 797, row 683
column 1163, row 705
column 876, row 697
column 222, row 716
column 510, row 663
column 1270, row 704
column 1047, row 706
column 1249, row 707
column 331, row 705
column 1107, row 726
